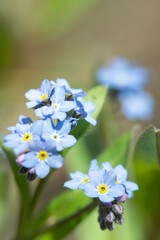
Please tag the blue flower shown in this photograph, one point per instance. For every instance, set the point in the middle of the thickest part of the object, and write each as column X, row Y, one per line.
column 103, row 185
column 42, row 157
column 58, row 107
column 122, row 75
column 23, row 120
column 37, row 96
column 21, row 136
column 79, row 179
column 70, row 91
column 137, row 105
column 58, row 134
column 121, row 174
column 86, row 109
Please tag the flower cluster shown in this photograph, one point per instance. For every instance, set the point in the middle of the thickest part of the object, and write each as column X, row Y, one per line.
column 128, row 80
column 109, row 185
column 37, row 144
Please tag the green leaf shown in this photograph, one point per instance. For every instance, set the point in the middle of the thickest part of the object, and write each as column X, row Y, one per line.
column 146, row 162
column 20, row 179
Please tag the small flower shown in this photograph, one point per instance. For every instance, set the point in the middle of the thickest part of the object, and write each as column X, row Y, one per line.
column 22, row 120
column 79, row 179
column 58, row 107
column 122, row 75
column 103, row 186
column 121, row 178
column 42, row 157
column 21, row 137
column 38, row 96
column 59, row 134
column 69, row 91
column 86, row 109
column 137, row 105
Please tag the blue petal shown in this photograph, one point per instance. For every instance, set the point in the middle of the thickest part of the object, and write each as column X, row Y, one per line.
column 24, row 120
column 59, row 115
column 30, row 160
column 72, row 184
column 67, row 106
column 33, row 95
column 68, row 141
column 58, row 95
column 55, row 161
column 45, row 87
column 95, row 177
column 116, row 190
column 78, row 175
column 94, row 165
column 90, row 190
column 109, row 178
column 105, row 198
column 121, row 173
column 31, row 104
column 21, row 147
column 63, row 127
column 91, row 120
column 107, row 166
column 131, row 186
column 42, row 169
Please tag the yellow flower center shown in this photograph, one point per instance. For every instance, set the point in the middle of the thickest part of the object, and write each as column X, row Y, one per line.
column 44, row 96
column 117, row 181
column 42, row 155
column 56, row 106
column 85, row 180
column 27, row 137
column 102, row 188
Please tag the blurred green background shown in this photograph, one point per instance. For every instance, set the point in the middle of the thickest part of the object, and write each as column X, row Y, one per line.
column 71, row 39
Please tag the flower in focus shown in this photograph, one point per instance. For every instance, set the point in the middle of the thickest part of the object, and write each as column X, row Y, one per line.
column 58, row 107
column 37, row 96
column 79, row 179
column 70, row 91
column 103, row 186
column 59, row 134
column 42, row 156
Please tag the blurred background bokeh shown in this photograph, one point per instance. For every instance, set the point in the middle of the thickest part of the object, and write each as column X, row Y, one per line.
column 71, row 39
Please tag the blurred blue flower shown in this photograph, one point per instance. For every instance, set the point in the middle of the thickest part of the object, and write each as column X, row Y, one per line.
column 122, row 75
column 137, row 105
column 121, row 174
column 42, row 157
column 37, row 96
column 71, row 91
column 86, row 109
column 58, row 134
column 79, row 179
column 58, row 107
column 103, row 185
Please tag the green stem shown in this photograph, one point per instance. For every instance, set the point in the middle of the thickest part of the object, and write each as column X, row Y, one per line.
column 37, row 194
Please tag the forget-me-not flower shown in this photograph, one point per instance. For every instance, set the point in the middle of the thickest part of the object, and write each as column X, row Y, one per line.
column 59, row 134
column 58, row 107
column 103, row 185
column 37, row 96
column 22, row 120
column 21, row 137
column 42, row 157
column 137, row 105
column 79, row 179
column 122, row 75
column 70, row 91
